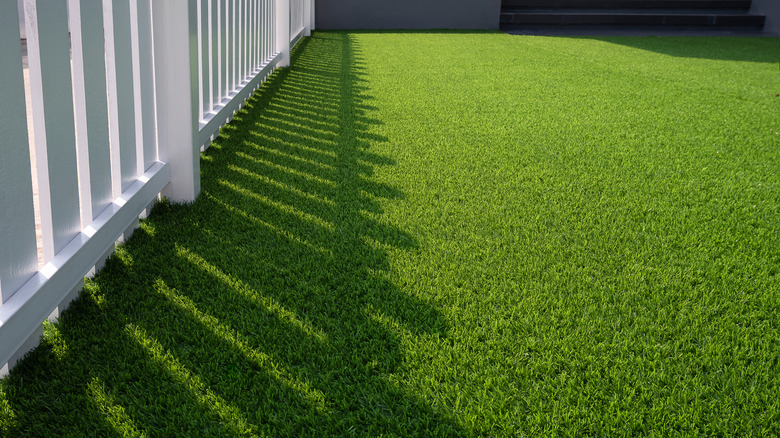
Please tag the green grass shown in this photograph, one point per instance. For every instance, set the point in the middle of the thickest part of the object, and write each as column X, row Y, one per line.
column 450, row 234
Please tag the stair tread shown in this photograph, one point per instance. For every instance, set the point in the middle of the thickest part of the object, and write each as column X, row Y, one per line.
column 627, row 12
column 614, row 30
column 643, row 4
column 687, row 14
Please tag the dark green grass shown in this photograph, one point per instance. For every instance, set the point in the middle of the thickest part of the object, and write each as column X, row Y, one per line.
column 446, row 234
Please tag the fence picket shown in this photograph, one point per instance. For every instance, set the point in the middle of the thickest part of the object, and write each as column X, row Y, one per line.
column 224, row 48
column 122, row 94
column 146, row 71
column 203, row 48
column 89, row 67
column 18, row 253
column 214, row 53
column 55, row 137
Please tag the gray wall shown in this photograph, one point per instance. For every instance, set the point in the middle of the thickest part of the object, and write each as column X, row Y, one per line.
column 408, row 14
column 770, row 8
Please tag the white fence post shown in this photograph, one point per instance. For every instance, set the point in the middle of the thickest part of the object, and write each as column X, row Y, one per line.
column 312, row 18
column 307, row 5
column 283, row 32
column 176, row 73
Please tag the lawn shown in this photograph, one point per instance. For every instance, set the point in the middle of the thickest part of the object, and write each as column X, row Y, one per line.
column 450, row 234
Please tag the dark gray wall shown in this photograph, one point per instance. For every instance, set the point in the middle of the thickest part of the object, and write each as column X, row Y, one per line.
column 770, row 8
column 408, row 14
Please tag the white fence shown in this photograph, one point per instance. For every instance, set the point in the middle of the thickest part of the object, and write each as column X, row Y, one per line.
column 105, row 86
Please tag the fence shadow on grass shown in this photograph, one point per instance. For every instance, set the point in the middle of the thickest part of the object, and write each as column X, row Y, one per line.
column 267, row 306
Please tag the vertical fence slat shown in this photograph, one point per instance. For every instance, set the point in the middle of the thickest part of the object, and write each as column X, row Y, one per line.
column 270, row 46
column 253, row 35
column 247, row 38
column 250, row 19
column 203, row 48
column 113, row 115
column 259, row 32
column 228, row 49
column 135, row 57
column 80, row 111
column 123, row 101
column 233, row 47
column 264, row 18
column 48, row 47
column 272, row 22
column 214, row 50
column 146, row 67
column 224, row 47
column 239, row 44
column 18, row 253
column 264, row 29
column 265, row 14
column 89, row 72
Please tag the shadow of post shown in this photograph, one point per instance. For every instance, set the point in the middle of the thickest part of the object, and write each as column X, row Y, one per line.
column 267, row 306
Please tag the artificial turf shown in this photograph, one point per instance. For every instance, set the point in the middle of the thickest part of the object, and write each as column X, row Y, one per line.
column 450, row 234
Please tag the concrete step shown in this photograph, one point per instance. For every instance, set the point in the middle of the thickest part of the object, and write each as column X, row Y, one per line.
column 740, row 5
column 721, row 19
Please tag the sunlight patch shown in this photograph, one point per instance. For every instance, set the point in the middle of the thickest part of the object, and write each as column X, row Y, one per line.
column 271, row 164
column 280, row 205
column 53, row 337
column 114, row 413
column 279, row 184
column 248, row 292
column 7, row 415
column 231, row 337
column 279, row 231
column 232, row 418
column 295, row 157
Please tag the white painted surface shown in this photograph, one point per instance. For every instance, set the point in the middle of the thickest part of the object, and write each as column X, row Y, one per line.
column 146, row 69
column 18, row 254
column 312, row 13
column 89, row 72
column 22, row 315
column 123, row 101
column 176, row 78
column 283, row 32
column 55, row 137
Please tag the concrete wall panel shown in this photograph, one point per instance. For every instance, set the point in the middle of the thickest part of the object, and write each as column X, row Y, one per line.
column 770, row 8
column 408, row 14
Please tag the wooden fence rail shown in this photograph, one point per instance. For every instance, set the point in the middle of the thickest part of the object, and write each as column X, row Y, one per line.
column 107, row 83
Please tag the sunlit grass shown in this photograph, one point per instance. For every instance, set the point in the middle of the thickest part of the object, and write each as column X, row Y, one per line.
column 450, row 234
column 114, row 413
